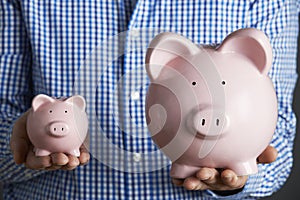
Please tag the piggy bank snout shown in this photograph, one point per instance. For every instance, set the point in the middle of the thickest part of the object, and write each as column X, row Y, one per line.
column 58, row 129
column 209, row 122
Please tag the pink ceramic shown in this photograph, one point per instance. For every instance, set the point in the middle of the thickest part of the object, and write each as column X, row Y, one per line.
column 211, row 106
column 57, row 125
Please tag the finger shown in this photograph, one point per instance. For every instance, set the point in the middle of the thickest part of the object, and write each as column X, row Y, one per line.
column 208, row 175
column 72, row 164
column 268, row 155
column 193, row 183
column 84, row 155
column 19, row 142
column 53, row 167
column 230, row 179
column 177, row 182
column 59, row 159
column 19, row 149
column 34, row 162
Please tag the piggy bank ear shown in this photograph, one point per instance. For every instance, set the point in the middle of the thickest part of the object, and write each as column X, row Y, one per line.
column 78, row 101
column 251, row 43
column 164, row 48
column 41, row 99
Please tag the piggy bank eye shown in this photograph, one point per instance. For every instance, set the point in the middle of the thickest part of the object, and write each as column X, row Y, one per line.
column 223, row 82
column 194, row 83
column 50, row 111
column 66, row 111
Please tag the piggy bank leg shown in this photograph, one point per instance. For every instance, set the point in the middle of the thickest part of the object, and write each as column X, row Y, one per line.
column 41, row 152
column 245, row 168
column 75, row 152
column 183, row 171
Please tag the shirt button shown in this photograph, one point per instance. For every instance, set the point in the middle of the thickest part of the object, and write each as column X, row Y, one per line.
column 137, row 157
column 135, row 95
column 134, row 33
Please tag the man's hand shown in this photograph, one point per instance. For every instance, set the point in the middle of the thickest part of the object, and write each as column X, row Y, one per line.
column 22, row 150
column 213, row 179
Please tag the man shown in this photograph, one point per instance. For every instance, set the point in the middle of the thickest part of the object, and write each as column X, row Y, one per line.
column 66, row 47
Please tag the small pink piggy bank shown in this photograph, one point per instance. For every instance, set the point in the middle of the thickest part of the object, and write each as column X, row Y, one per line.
column 211, row 106
column 57, row 125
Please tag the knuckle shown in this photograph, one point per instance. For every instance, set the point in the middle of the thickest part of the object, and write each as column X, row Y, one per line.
column 44, row 162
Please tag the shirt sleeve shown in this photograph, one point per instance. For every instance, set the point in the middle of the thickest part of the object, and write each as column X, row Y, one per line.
column 15, row 83
column 271, row 177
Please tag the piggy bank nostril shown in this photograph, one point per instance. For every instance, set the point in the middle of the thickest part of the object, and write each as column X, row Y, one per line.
column 217, row 122
column 203, row 122
column 58, row 129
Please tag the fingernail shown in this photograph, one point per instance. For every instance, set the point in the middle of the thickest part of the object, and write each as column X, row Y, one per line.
column 199, row 187
column 193, row 186
column 228, row 178
column 203, row 174
column 206, row 176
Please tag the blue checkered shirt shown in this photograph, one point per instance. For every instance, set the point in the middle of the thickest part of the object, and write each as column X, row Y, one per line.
column 97, row 49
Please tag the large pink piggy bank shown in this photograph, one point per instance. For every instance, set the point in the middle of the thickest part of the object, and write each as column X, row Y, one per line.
column 211, row 106
column 57, row 125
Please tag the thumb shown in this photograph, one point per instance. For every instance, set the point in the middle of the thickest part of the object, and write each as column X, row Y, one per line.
column 19, row 142
column 268, row 155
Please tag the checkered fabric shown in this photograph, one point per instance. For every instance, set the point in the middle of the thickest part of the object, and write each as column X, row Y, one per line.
column 97, row 49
